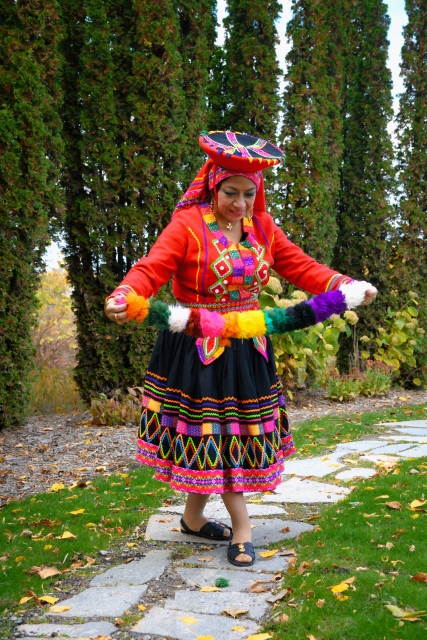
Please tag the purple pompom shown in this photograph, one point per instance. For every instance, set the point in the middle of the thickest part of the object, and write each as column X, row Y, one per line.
column 326, row 304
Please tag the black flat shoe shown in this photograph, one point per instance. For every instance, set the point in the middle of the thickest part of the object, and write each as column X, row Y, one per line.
column 238, row 548
column 211, row 530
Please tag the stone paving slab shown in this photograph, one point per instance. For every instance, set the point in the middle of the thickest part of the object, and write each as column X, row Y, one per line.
column 356, row 472
column 419, row 439
column 217, row 511
column 216, row 602
column 97, row 602
column 380, row 458
column 85, row 630
column 239, row 580
column 391, row 448
column 265, row 532
column 360, row 445
column 136, row 572
column 318, row 467
column 219, row 561
column 168, row 625
column 412, row 432
column 306, row 491
column 416, row 452
column 404, row 423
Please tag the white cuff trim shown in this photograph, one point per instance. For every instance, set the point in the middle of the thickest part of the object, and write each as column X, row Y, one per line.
column 354, row 292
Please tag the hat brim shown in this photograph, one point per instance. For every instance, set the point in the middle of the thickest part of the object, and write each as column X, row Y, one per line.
column 240, row 152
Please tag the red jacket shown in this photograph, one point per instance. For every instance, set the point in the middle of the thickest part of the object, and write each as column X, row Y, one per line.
column 208, row 273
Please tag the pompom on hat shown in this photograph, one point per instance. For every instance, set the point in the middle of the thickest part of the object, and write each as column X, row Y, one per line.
column 231, row 153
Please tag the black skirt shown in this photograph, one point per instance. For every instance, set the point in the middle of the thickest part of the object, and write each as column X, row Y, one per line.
column 217, row 427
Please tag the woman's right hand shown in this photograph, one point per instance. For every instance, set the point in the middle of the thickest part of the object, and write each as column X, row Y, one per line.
column 115, row 310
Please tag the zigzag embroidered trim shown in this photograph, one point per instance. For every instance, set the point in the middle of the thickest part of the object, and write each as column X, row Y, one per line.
column 202, row 323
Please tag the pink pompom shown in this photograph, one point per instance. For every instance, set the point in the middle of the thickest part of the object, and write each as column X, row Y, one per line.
column 211, row 323
column 120, row 299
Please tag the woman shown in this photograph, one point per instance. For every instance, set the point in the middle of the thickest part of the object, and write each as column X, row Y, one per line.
column 214, row 418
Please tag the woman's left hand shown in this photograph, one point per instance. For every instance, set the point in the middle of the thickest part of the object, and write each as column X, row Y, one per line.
column 370, row 296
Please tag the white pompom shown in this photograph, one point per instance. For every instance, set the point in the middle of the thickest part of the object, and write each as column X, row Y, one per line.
column 178, row 318
column 354, row 292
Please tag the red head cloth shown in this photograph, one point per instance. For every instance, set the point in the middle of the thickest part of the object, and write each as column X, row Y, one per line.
column 231, row 154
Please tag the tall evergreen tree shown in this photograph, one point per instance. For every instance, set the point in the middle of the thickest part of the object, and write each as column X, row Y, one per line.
column 410, row 258
column 127, row 69
column 365, row 214
column 30, row 134
column 197, row 19
column 312, row 130
column 247, row 72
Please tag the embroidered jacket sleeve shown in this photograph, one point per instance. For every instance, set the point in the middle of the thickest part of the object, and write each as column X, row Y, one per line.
column 163, row 260
column 290, row 262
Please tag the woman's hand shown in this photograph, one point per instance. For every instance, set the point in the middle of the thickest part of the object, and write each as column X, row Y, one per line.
column 115, row 310
column 370, row 296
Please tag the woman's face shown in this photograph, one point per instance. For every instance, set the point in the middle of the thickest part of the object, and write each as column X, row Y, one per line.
column 236, row 196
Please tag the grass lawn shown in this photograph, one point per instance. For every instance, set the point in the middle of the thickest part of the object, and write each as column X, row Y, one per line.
column 108, row 508
column 360, row 538
column 317, row 435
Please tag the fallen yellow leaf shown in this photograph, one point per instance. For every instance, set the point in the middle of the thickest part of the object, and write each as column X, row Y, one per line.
column 131, row 544
column 260, row 636
column 47, row 547
column 59, row 608
column 25, row 599
column 90, row 524
column 66, row 535
column 76, row 513
column 48, row 599
column 417, row 503
column 268, row 554
column 188, row 620
column 238, row 628
column 19, row 558
column 205, row 638
column 141, row 607
column 235, row 613
column 57, row 487
column 339, row 588
column 403, row 614
column 209, row 589
column 340, row 597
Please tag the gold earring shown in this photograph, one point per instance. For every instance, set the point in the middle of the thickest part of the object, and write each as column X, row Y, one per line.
column 250, row 213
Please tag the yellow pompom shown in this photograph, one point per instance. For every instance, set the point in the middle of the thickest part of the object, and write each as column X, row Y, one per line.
column 137, row 308
column 252, row 324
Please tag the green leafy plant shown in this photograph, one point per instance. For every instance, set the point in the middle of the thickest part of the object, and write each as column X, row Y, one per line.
column 397, row 343
column 119, row 408
column 305, row 357
column 377, row 379
column 344, row 387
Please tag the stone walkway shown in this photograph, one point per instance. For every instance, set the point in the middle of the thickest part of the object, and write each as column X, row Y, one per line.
column 236, row 611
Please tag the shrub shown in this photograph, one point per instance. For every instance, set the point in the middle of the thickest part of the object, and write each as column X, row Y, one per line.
column 305, row 357
column 53, row 390
column 344, row 387
column 377, row 379
column 120, row 408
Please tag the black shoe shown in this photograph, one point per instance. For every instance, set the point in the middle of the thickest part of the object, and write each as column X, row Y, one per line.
column 238, row 548
column 211, row 530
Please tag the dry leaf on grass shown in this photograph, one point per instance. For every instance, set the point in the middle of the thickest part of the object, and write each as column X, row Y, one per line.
column 303, row 567
column 394, row 505
column 418, row 503
column 260, row 636
column 404, row 614
column 66, row 535
column 412, row 547
column 48, row 572
column 234, row 613
column 420, row 577
column 320, row 603
column 77, row 512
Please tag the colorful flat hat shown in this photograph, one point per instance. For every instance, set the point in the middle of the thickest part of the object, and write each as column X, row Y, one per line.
column 234, row 151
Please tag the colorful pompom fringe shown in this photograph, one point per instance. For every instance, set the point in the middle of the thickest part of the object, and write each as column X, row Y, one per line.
column 202, row 323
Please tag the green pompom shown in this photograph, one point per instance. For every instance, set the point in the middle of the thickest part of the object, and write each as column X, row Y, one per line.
column 222, row 582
